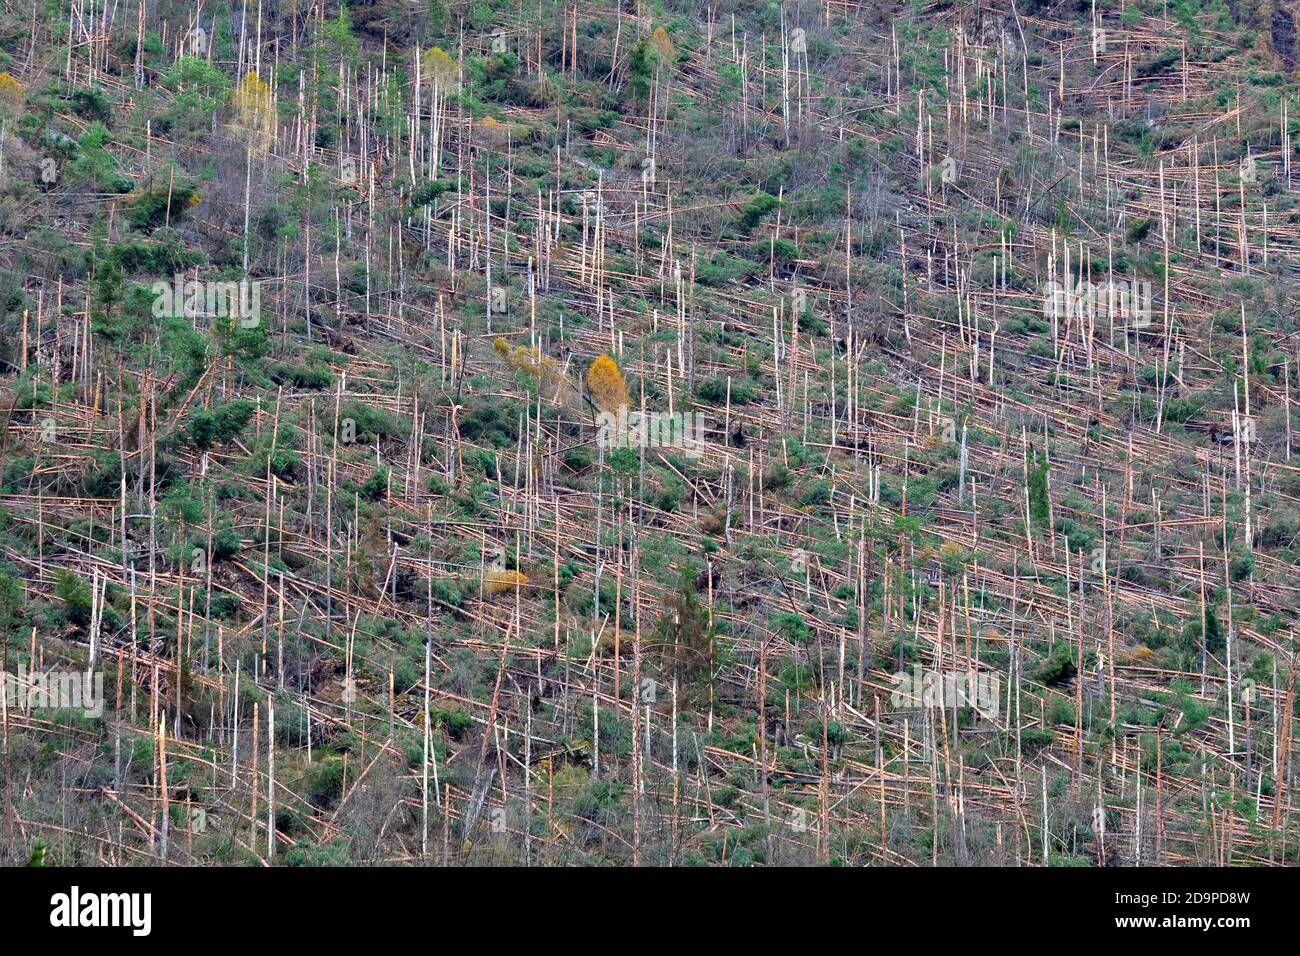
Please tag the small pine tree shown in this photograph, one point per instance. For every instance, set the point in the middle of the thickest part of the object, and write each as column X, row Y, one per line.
column 1038, row 510
column 686, row 641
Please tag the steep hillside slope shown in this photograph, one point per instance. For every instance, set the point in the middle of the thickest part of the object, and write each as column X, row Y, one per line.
column 675, row 434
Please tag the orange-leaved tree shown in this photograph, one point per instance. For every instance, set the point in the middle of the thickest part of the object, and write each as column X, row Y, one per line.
column 606, row 385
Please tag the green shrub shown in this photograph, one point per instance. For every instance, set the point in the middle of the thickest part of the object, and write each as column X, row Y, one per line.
column 75, row 594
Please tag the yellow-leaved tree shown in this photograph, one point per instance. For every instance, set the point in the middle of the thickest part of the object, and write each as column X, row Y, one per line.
column 551, row 382
column 438, row 69
column 11, row 93
column 495, row 133
column 663, row 46
column 606, row 385
column 499, row 580
column 255, row 111
column 441, row 73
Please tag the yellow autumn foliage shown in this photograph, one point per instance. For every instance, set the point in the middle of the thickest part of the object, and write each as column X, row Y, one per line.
column 520, row 357
column 494, row 132
column 547, row 372
column 437, row 68
column 255, row 111
column 663, row 46
column 498, row 581
column 606, row 385
column 11, row 91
